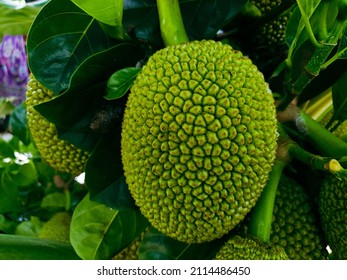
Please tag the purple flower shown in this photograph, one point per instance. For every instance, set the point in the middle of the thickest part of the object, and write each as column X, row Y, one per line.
column 14, row 70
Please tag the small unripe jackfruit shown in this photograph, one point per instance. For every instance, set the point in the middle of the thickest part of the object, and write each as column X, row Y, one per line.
column 272, row 33
column 333, row 212
column 198, row 139
column 130, row 252
column 59, row 154
column 57, row 228
column 249, row 248
column 295, row 226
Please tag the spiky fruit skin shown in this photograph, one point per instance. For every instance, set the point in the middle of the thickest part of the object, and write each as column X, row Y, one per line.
column 341, row 130
column 57, row 228
column 59, row 154
column 198, row 139
column 130, row 252
column 248, row 248
column 333, row 212
column 295, row 226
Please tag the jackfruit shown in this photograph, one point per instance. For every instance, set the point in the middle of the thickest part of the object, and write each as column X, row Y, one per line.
column 341, row 129
column 249, row 248
column 57, row 228
column 333, row 212
column 130, row 252
column 59, row 154
column 295, row 226
column 198, row 139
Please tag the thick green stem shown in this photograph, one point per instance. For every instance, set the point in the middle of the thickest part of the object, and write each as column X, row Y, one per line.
column 261, row 217
column 295, row 151
column 171, row 24
column 322, row 139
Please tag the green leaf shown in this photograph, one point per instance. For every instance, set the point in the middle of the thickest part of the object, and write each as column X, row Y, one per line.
column 25, row 174
column 56, row 200
column 109, row 12
column 120, row 82
column 14, row 247
column 157, row 246
column 326, row 78
column 9, row 194
column 117, row 196
column 85, row 94
column 6, row 151
column 19, row 124
column 61, row 37
column 100, row 232
column 16, row 21
column 29, row 228
column 104, row 165
column 6, row 107
column 340, row 98
column 342, row 48
column 6, row 225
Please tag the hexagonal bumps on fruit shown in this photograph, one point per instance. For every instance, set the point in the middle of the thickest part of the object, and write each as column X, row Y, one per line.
column 59, row 154
column 198, row 139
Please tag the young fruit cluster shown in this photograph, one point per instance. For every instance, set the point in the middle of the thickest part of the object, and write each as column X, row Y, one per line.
column 59, row 154
column 333, row 212
column 249, row 248
column 295, row 225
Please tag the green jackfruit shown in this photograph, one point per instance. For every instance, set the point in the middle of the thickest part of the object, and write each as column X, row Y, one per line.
column 59, row 154
column 295, row 226
column 249, row 248
column 130, row 252
column 198, row 139
column 333, row 212
column 57, row 228
column 341, row 130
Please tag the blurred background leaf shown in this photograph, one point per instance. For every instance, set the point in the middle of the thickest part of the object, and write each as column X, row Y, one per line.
column 16, row 21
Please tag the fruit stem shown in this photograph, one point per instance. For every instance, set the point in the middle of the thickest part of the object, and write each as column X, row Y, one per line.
column 295, row 151
column 261, row 216
column 326, row 143
column 171, row 23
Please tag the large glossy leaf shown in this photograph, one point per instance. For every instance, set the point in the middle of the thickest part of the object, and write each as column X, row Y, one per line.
column 109, row 12
column 100, row 232
column 84, row 98
column 157, row 246
column 14, row 247
column 61, row 37
column 202, row 18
